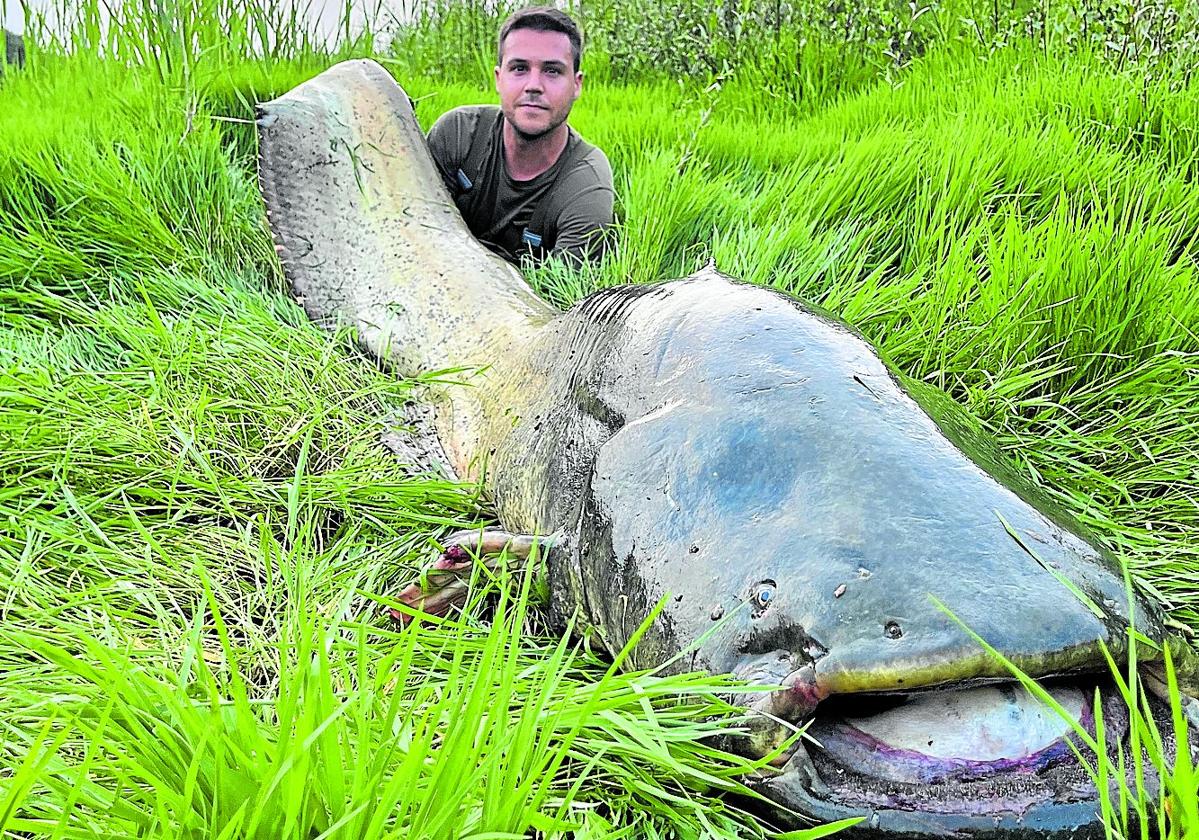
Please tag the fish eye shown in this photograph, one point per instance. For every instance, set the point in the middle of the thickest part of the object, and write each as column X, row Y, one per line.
column 763, row 595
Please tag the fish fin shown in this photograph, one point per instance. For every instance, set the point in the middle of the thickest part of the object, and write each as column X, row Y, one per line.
column 368, row 237
column 367, row 233
column 445, row 582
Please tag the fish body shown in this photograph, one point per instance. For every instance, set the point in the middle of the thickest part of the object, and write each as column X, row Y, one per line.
column 807, row 515
column 693, row 439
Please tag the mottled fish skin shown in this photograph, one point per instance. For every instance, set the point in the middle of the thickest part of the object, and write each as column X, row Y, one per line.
column 714, row 445
column 696, row 438
column 369, row 237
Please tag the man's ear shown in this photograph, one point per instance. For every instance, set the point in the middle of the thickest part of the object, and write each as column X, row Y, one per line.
column 578, row 84
column 497, row 78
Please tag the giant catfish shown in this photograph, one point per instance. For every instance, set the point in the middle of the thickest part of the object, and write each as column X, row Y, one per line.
column 801, row 507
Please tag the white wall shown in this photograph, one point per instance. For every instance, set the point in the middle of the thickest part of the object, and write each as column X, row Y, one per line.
column 13, row 17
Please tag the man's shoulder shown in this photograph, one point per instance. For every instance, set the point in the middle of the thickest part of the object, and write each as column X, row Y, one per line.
column 467, row 117
column 589, row 164
column 453, row 134
column 583, row 192
column 589, row 151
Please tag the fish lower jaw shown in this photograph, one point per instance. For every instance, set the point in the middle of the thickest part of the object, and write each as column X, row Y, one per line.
column 990, row 759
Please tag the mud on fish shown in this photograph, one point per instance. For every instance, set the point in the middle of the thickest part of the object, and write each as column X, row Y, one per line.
column 802, row 508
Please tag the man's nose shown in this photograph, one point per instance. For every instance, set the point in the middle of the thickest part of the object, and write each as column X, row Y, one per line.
column 533, row 81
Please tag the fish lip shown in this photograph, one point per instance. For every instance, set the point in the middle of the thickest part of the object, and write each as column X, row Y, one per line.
column 807, row 801
column 815, row 786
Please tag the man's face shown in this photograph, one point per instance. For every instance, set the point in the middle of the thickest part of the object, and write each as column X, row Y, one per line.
column 536, row 81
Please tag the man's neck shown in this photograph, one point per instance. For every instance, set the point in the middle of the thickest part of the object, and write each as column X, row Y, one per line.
column 525, row 158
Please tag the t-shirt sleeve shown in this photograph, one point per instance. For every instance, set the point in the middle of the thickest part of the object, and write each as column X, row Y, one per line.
column 449, row 143
column 585, row 228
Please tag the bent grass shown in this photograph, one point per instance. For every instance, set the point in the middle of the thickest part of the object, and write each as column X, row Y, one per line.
column 197, row 521
column 453, row 729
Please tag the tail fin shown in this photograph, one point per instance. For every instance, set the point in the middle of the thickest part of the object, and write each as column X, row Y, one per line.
column 368, row 235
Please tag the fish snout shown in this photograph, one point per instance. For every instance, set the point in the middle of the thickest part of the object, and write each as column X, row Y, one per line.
column 801, row 693
column 792, row 676
column 781, row 699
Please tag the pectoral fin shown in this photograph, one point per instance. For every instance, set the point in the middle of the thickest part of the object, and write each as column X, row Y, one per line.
column 445, row 582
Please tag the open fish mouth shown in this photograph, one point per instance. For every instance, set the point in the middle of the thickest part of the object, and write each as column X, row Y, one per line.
column 989, row 758
column 956, row 736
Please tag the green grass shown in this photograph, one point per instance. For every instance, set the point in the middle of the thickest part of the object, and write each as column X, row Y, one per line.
column 199, row 528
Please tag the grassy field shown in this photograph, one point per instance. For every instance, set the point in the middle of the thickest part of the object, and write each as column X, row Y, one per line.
column 199, row 528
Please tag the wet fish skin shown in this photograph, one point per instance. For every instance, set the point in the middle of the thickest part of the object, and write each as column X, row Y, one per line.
column 696, row 438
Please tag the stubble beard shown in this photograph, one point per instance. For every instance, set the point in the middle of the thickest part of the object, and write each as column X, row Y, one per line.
column 529, row 137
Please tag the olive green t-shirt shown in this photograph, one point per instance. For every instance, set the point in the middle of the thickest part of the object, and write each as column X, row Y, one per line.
column 563, row 212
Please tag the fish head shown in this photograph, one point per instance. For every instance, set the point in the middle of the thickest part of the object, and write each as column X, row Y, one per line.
column 812, row 525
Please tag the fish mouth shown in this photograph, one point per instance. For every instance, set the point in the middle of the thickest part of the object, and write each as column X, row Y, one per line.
column 945, row 737
column 985, row 759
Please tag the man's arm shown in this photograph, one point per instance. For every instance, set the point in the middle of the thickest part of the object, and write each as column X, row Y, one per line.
column 449, row 143
column 584, row 226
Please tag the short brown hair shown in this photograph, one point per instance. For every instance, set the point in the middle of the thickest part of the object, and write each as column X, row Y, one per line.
column 542, row 19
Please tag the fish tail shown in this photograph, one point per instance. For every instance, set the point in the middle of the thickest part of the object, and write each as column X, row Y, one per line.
column 368, row 235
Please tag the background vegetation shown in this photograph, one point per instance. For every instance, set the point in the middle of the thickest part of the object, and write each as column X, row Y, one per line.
column 199, row 526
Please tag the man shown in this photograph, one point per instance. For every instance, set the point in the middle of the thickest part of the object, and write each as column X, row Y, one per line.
column 14, row 50
column 527, row 184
